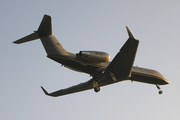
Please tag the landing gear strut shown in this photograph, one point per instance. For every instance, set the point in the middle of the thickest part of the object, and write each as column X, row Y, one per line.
column 160, row 91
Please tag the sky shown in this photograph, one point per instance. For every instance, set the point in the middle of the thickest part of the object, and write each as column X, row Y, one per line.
column 88, row 25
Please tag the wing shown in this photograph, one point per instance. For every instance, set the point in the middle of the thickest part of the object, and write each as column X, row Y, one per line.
column 77, row 88
column 121, row 65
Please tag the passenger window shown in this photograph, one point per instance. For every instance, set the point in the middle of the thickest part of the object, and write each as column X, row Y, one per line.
column 139, row 70
column 145, row 71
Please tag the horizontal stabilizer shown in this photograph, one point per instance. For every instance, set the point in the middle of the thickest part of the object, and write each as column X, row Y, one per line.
column 30, row 37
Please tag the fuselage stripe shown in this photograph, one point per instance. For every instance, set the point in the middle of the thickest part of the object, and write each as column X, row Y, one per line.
column 54, row 45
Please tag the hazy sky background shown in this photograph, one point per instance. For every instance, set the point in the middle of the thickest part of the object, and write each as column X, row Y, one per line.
column 88, row 25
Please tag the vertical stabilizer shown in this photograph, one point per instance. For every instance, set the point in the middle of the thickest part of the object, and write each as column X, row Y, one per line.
column 45, row 26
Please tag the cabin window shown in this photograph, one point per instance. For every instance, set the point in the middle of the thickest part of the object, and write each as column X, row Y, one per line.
column 133, row 69
column 145, row 71
column 139, row 70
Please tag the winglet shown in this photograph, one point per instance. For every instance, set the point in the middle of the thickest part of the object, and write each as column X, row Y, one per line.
column 44, row 91
column 129, row 33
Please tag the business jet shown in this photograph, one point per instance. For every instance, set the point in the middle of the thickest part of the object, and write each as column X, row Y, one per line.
column 94, row 63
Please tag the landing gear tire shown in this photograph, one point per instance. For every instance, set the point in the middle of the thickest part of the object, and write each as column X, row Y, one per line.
column 160, row 92
column 97, row 89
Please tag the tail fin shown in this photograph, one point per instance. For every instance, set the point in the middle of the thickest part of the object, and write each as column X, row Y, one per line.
column 45, row 27
column 44, row 32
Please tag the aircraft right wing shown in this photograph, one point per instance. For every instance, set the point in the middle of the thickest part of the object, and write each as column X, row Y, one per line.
column 77, row 88
column 121, row 65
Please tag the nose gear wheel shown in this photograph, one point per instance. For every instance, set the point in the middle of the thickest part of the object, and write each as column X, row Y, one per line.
column 160, row 91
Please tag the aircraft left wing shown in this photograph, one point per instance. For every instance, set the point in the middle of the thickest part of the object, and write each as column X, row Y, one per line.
column 77, row 88
column 120, row 67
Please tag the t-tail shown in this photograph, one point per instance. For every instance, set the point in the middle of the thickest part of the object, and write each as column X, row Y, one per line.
column 49, row 41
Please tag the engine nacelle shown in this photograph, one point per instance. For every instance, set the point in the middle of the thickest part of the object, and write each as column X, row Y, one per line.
column 94, row 56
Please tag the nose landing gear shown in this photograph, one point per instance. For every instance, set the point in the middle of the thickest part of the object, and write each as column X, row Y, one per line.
column 158, row 87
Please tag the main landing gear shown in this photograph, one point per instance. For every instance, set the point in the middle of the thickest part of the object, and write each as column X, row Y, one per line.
column 97, row 89
column 158, row 87
column 95, row 82
column 96, row 86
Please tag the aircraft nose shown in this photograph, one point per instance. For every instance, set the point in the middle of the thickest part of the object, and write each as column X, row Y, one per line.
column 166, row 82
